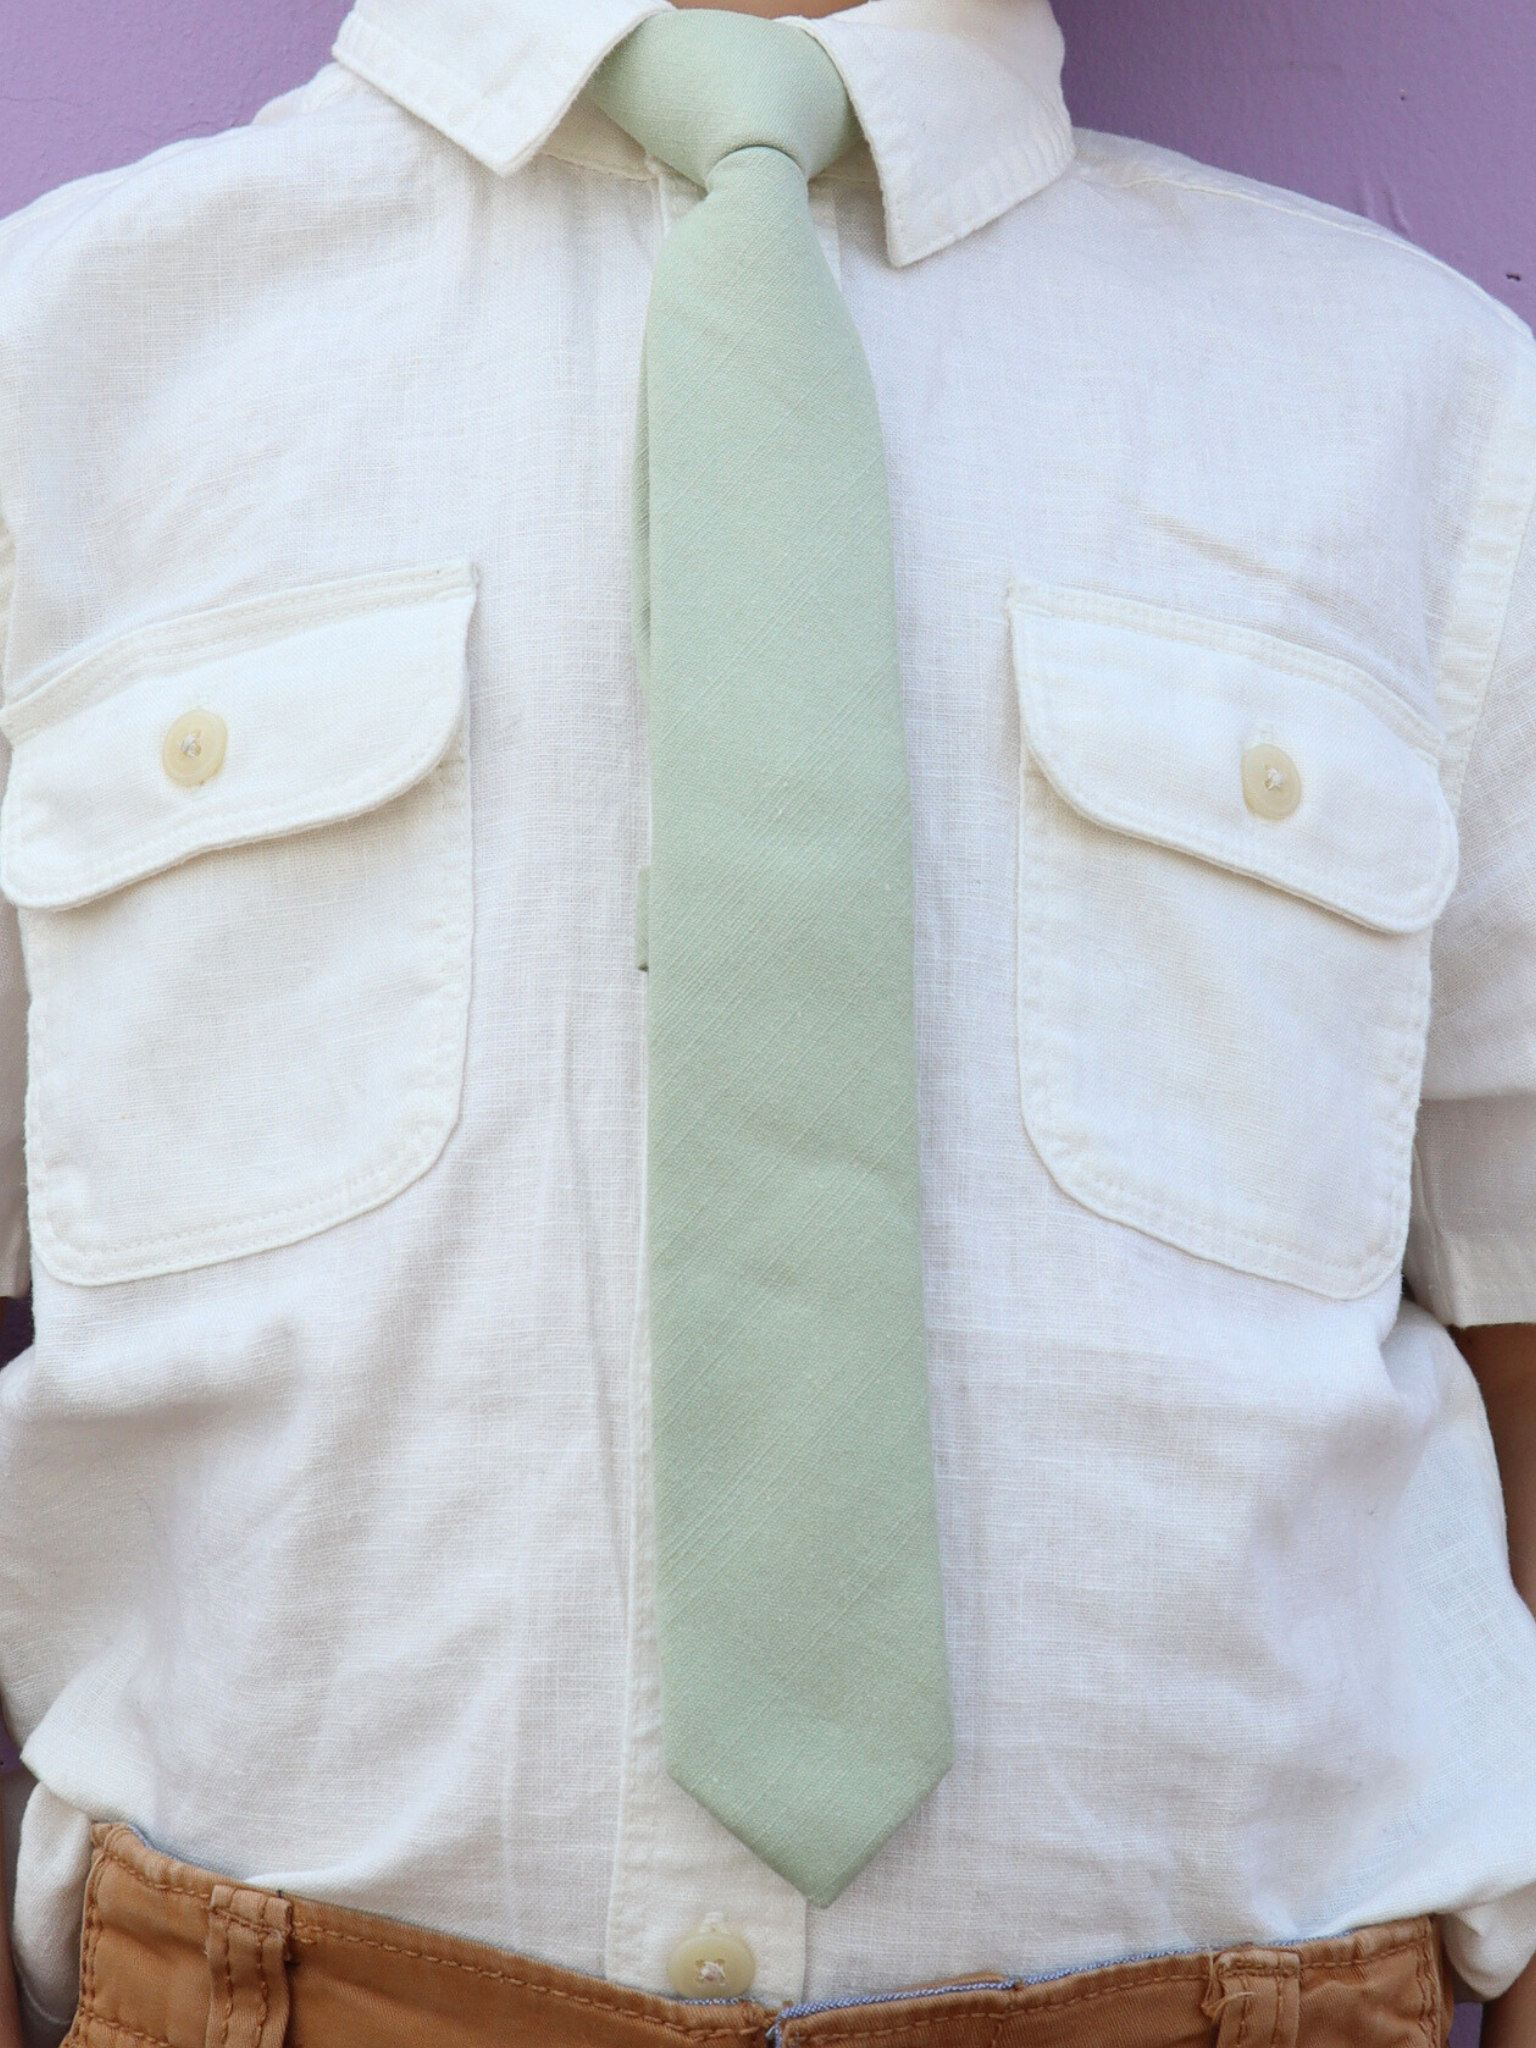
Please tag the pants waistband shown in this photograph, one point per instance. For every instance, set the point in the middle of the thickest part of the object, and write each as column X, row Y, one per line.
column 174, row 1957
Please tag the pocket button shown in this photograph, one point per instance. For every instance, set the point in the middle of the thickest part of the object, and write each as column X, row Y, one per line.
column 193, row 750
column 1271, row 782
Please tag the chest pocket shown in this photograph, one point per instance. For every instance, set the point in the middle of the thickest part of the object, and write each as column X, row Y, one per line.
column 240, row 847
column 1231, row 855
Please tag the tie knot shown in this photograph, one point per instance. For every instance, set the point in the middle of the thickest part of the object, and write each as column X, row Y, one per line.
column 694, row 85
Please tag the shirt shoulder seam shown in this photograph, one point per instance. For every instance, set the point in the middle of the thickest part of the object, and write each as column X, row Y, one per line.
column 1273, row 199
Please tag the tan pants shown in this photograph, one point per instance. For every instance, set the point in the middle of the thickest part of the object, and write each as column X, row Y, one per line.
column 175, row 1958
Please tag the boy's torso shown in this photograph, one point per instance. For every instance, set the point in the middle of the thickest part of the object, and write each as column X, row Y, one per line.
column 326, row 1557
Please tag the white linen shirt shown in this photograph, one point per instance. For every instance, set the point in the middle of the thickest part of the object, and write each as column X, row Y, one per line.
column 325, row 1556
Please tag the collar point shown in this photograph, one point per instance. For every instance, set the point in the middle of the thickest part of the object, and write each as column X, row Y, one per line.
column 913, row 233
column 498, row 91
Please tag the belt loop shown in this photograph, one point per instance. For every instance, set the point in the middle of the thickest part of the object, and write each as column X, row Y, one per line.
column 1255, row 1995
column 248, row 1947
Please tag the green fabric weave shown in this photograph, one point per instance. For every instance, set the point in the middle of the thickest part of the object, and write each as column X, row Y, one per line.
column 804, row 1681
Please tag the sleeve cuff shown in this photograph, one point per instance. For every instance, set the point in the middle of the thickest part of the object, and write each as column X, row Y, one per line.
column 1490, row 1945
column 1469, row 1282
column 1471, row 1255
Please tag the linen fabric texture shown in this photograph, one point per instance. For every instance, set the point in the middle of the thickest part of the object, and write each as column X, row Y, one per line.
column 328, row 1561
column 800, row 1616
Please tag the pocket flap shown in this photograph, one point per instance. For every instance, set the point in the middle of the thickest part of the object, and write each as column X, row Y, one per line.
column 334, row 699
column 1140, row 719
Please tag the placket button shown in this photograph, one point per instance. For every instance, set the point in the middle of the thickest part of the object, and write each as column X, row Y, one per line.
column 1271, row 781
column 714, row 1963
column 193, row 749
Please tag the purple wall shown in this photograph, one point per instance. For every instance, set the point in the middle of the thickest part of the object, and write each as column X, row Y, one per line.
column 1420, row 113
column 90, row 84
column 1416, row 112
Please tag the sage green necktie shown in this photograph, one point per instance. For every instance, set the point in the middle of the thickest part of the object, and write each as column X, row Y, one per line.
column 805, row 1694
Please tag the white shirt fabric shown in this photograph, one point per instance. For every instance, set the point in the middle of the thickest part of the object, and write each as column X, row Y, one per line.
column 325, row 1557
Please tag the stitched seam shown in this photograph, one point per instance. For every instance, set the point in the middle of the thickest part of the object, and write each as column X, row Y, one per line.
column 977, row 198
column 1080, row 1176
column 1357, row 1965
column 88, row 1954
column 470, row 119
column 93, row 1938
column 1423, row 1988
column 230, row 823
column 1286, row 1260
column 229, row 1981
column 258, row 1927
column 1397, row 1119
column 604, row 167
column 345, row 1190
column 1188, row 1972
column 263, row 1963
column 188, row 834
column 221, row 630
column 1366, row 232
column 1140, row 821
column 355, row 46
column 108, row 1854
column 118, row 2030
column 1219, row 636
column 338, row 1203
column 302, row 1939
column 412, row 1154
column 1428, row 2002
column 1123, row 813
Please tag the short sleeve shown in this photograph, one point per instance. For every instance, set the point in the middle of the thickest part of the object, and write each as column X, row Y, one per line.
column 14, row 1261
column 1472, row 1244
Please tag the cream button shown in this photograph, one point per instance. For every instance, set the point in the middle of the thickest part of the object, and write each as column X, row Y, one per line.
column 193, row 751
column 1271, row 782
column 714, row 1963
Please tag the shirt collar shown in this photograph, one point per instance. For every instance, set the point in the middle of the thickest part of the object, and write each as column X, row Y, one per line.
column 960, row 100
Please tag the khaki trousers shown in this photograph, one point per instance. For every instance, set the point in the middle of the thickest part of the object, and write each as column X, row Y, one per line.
column 175, row 1958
